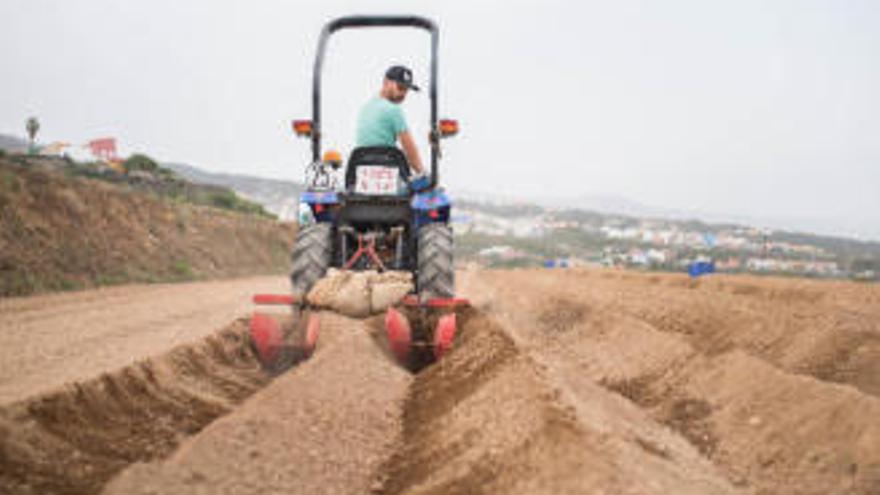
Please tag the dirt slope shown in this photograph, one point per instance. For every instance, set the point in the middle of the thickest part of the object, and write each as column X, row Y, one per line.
column 76, row 437
column 774, row 381
column 490, row 418
column 560, row 382
column 325, row 427
column 63, row 233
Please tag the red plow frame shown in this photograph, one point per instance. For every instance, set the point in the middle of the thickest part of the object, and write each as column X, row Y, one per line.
column 417, row 332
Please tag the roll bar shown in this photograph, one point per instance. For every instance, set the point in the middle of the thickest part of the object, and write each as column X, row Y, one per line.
column 376, row 21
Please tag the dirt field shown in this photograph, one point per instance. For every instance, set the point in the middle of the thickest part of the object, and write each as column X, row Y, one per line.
column 51, row 339
column 560, row 382
column 775, row 381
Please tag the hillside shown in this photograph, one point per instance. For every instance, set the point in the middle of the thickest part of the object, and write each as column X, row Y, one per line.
column 62, row 232
column 278, row 197
column 505, row 232
column 524, row 234
column 12, row 144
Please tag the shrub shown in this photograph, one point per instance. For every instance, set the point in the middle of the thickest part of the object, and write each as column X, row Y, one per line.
column 183, row 270
column 140, row 162
column 224, row 199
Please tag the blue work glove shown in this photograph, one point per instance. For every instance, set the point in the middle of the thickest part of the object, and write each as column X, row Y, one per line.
column 419, row 183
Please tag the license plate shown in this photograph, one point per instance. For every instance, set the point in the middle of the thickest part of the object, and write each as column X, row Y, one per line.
column 374, row 179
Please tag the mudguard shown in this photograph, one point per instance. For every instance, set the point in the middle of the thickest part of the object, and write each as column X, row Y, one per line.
column 320, row 203
column 431, row 207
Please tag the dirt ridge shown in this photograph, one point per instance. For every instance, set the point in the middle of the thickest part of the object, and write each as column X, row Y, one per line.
column 771, row 380
column 74, row 439
column 488, row 418
column 323, row 427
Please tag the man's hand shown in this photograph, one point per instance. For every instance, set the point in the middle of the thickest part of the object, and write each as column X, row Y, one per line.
column 412, row 153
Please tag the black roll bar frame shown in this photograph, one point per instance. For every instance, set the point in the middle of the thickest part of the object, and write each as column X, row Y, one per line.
column 377, row 21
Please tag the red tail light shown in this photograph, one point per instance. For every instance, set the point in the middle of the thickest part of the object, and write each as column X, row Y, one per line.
column 448, row 127
column 302, row 128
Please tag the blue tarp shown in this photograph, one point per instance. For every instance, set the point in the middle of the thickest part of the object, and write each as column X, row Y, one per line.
column 699, row 268
column 556, row 263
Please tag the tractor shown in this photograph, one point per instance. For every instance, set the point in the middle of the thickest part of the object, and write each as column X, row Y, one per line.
column 374, row 217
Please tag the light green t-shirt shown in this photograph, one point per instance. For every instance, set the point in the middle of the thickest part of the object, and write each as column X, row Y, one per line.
column 379, row 123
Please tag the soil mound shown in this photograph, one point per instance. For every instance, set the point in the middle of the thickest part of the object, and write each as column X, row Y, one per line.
column 74, row 439
column 774, row 381
column 324, row 427
column 490, row 419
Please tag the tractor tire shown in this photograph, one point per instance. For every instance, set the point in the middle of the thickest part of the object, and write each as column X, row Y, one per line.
column 436, row 276
column 311, row 256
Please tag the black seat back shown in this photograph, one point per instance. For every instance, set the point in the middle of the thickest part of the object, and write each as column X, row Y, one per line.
column 385, row 156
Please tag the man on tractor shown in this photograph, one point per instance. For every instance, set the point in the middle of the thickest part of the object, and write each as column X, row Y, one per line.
column 384, row 219
column 381, row 121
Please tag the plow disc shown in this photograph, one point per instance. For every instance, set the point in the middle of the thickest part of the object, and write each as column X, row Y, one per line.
column 266, row 336
column 399, row 335
column 417, row 333
column 281, row 341
column 420, row 333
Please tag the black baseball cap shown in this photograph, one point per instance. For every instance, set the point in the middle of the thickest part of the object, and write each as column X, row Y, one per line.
column 401, row 75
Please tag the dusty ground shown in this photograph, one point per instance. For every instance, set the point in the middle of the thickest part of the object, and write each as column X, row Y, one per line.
column 49, row 340
column 561, row 382
column 74, row 438
column 774, row 381
column 325, row 427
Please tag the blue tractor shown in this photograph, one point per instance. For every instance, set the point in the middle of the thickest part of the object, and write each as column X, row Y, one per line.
column 380, row 218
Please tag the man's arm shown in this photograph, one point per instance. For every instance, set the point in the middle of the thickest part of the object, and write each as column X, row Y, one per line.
column 412, row 153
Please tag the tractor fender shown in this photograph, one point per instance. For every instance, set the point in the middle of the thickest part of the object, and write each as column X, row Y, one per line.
column 430, row 207
column 320, row 203
column 430, row 200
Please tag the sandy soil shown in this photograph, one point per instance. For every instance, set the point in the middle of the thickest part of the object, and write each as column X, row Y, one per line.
column 560, row 382
column 490, row 418
column 74, row 438
column 60, row 233
column 49, row 340
column 774, row 381
column 324, row 427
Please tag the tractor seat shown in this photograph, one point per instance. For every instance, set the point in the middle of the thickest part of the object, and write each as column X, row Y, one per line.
column 373, row 169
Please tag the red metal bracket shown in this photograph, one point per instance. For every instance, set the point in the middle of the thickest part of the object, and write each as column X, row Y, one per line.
column 369, row 250
column 274, row 299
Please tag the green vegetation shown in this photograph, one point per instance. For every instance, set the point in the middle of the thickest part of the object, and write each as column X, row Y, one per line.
column 32, row 126
column 182, row 270
column 140, row 162
column 228, row 200
column 143, row 173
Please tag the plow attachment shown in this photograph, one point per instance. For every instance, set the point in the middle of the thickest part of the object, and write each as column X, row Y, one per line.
column 417, row 333
column 420, row 333
column 280, row 341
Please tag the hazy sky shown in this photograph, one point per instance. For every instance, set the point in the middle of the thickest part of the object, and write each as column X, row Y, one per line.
column 750, row 108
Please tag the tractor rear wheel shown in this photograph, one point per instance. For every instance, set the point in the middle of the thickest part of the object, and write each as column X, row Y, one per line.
column 311, row 256
column 436, row 278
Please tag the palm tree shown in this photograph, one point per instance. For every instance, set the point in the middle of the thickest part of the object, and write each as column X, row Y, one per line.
column 32, row 126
